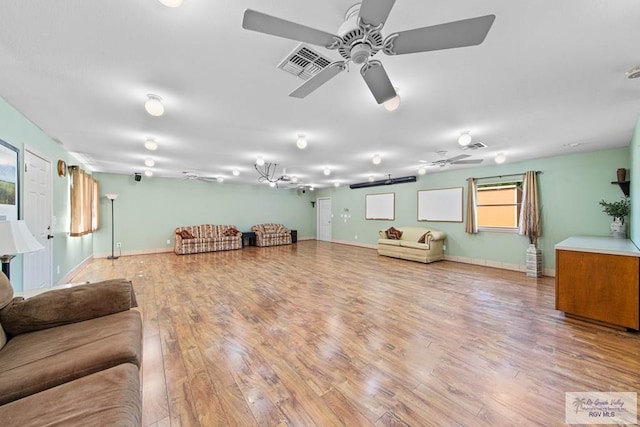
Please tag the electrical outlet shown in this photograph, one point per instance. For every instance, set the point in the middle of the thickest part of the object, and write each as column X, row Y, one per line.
column 119, row 244
column 356, row 237
column 58, row 269
column 444, row 247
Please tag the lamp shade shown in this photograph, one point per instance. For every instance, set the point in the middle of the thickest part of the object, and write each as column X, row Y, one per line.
column 111, row 196
column 15, row 238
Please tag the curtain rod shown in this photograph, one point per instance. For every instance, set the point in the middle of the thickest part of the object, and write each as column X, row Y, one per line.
column 502, row 176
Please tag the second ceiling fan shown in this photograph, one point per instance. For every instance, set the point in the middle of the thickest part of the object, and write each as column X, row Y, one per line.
column 359, row 38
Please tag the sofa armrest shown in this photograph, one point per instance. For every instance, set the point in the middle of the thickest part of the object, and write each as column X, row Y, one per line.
column 437, row 235
column 69, row 305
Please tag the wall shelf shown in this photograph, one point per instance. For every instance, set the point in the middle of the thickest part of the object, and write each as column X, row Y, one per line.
column 624, row 186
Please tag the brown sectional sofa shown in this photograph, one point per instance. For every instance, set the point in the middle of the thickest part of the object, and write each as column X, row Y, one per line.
column 70, row 356
column 270, row 234
column 193, row 239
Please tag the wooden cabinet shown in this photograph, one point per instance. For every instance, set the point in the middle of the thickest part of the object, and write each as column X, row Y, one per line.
column 598, row 278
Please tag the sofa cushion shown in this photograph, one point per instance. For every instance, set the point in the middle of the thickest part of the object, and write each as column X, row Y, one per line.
column 393, row 233
column 68, row 305
column 391, row 242
column 185, row 234
column 415, row 245
column 36, row 361
column 106, row 398
column 231, row 231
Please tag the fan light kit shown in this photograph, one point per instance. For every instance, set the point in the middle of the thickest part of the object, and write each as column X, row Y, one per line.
column 633, row 73
column 392, row 104
column 267, row 174
column 151, row 144
column 359, row 39
column 260, row 161
column 464, row 139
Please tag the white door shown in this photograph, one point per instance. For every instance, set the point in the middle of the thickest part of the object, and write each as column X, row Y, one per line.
column 37, row 215
column 324, row 219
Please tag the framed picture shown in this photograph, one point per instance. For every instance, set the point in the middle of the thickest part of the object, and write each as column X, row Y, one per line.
column 9, row 182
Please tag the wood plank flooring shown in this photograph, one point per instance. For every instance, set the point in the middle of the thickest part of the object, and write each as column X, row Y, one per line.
column 322, row 334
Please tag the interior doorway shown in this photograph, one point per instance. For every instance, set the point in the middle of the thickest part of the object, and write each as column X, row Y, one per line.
column 38, row 216
column 324, row 219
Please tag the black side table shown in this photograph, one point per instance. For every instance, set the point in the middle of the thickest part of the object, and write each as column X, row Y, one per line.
column 248, row 238
column 294, row 236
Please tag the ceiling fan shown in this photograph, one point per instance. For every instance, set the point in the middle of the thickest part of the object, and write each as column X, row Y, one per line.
column 191, row 175
column 359, row 38
column 456, row 160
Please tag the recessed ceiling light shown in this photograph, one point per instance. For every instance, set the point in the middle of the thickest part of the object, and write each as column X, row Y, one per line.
column 294, row 179
column 171, row 3
column 236, row 172
column 150, row 162
column 376, row 159
column 464, row 139
column 154, row 105
column 500, row 158
column 327, row 171
column 150, row 144
column 220, row 179
column 336, row 184
column 148, row 172
column 422, row 171
column 371, row 178
column 301, row 142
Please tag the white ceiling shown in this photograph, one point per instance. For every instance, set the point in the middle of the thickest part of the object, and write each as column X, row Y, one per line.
column 549, row 75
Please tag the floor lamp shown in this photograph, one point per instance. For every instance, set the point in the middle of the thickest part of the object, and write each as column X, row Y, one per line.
column 15, row 238
column 112, row 197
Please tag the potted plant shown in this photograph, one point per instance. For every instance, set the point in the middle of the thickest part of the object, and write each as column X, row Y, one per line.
column 618, row 210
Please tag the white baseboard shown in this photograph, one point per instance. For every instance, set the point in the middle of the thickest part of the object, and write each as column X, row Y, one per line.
column 141, row 252
column 67, row 277
column 551, row 272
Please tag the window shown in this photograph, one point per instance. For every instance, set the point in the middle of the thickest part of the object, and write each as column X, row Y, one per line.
column 498, row 205
column 84, row 202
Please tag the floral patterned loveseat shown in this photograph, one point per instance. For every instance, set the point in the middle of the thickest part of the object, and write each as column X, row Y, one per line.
column 271, row 234
column 193, row 239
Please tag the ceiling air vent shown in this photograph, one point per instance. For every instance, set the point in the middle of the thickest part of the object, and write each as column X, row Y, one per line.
column 304, row 62
column 474, row 146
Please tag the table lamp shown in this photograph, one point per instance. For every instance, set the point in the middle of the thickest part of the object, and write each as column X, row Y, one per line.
column 15, row 238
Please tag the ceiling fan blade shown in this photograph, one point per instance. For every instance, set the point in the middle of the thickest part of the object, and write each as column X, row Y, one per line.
column 468, row 162
column 375, row 12
column 263, row 23
column 458, row 157
column 378, row 81
column 318, row 80
column 468, row 32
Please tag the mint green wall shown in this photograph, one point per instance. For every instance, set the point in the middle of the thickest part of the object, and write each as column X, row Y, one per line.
column 68, row 252
column 147, row 212
column 570, row 188
column 634, row 191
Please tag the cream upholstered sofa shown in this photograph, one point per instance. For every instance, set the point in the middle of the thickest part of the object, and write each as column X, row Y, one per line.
column 270, row 234
column 70, row 357
column 193, row 239
column 410, row 247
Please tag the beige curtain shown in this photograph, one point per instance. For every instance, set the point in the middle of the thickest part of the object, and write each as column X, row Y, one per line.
column 84, row 202
column 529, row 224
column 471, row 227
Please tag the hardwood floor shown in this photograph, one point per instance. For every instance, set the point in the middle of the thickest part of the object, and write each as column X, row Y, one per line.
column 321, row 334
